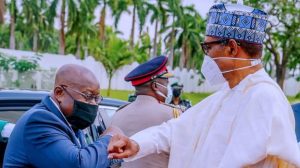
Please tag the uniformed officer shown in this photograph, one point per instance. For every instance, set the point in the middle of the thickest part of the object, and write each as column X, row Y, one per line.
column 150, row 81
column 177, row 101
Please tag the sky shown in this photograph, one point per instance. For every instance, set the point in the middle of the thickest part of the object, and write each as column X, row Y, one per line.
column 125, row 22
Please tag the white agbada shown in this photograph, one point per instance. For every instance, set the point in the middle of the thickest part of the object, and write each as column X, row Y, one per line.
column 251, row 125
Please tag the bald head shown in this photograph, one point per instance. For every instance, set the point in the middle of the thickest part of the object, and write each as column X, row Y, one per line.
column 72, row 82
column 76, row 76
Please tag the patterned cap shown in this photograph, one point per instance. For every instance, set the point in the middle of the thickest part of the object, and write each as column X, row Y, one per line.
column 237, row 21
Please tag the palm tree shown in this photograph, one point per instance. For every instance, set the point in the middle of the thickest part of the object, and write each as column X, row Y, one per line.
column 188, row 31
column 139, row 9
column 4, row 36
column 66, row 5
column 117, row 8
column 102, row 21
column 190, row 36
column 159, row 16
column 174, row 12
column 35, row 20
column 2, row 11
column 13, row 16
column 114, row 55
column 81, row 27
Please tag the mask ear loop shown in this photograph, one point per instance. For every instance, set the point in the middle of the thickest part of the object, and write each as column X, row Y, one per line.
column 159, row 92
column 233, row 58
column 161, row 85
column 254, row 62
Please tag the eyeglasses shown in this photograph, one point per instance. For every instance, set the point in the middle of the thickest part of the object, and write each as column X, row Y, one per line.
column 206, row 45
column 87, row 97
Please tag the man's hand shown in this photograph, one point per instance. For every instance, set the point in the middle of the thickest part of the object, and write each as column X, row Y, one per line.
column 121, row 147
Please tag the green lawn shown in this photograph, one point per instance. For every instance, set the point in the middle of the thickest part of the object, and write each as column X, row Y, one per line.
column 117, row 94
column 193, row 97
column 294, row 99
column 123, row 95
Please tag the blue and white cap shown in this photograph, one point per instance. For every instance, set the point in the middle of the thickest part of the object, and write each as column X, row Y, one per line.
column 237, row 21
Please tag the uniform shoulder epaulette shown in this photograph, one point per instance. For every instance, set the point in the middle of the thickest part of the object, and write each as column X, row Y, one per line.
column 122, row 107
column 170, row 105
column 176, row 110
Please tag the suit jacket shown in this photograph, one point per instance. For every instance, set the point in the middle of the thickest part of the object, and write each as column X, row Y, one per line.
column 296, row 108
column 143, row 113
column 43, row 138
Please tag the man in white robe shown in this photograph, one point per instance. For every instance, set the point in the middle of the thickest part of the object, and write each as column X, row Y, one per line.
column 247, row 123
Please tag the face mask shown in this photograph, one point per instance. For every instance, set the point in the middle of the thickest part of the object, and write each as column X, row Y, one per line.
column 83, row 115
column 214, row 75
column 176, row 92
column 170, row 95
column 167, row 97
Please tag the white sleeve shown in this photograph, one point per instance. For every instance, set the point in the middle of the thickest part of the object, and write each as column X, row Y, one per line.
column 152, row 140
column 8, row 128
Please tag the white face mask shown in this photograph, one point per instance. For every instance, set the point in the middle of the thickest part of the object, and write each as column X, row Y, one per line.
column 167, row 97
column 212, row 72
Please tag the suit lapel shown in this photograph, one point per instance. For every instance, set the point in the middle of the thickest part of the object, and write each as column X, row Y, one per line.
column 53, row 109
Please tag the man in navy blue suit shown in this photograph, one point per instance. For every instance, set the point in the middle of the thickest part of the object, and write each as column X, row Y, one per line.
column 49, row 134
column 296, row 108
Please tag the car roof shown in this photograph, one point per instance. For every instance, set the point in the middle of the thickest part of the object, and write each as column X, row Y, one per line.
column 13, row 98
column 22, row 95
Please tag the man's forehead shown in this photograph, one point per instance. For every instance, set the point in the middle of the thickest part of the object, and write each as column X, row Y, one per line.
column 209, row 38
column 87, row 85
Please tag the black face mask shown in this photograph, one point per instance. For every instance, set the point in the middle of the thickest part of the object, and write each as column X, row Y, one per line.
column 83, row 115
column 176, row 92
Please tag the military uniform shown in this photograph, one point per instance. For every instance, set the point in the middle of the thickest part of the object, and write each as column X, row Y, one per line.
column 176, row 92
column 144, row 112
column 182, row 105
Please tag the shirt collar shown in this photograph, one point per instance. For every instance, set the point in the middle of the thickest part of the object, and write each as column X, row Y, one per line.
column 251, row 78
column 146, row 98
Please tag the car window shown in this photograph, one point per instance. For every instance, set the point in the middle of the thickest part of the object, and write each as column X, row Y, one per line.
column 11, row 115
column 106, row 113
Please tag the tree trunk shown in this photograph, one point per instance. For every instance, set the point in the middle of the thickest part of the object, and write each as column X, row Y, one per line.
column 280, row 75
column 282, row 67
column 2, row 11
column 86, row 52
column 12, row 40
column 102, row 23
column 171, row 56
column 132, row 27
column 149, row 49
column 155, row 40
column 35, row 41
column 62, row 29
column 109, row 84
column 280, row 63
column 78, row 45
column 181, row 60
column 183, row 57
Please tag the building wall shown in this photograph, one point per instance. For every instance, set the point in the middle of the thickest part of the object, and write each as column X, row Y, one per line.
column 43, row 78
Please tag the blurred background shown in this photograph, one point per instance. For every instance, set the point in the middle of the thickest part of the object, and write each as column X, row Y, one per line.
column 111, row 37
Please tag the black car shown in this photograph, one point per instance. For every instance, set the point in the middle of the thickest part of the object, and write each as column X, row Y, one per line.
column 13, row 103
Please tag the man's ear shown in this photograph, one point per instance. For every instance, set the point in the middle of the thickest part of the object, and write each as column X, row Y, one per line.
column 233, row 47
column 58, row 93
column 154, row 86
